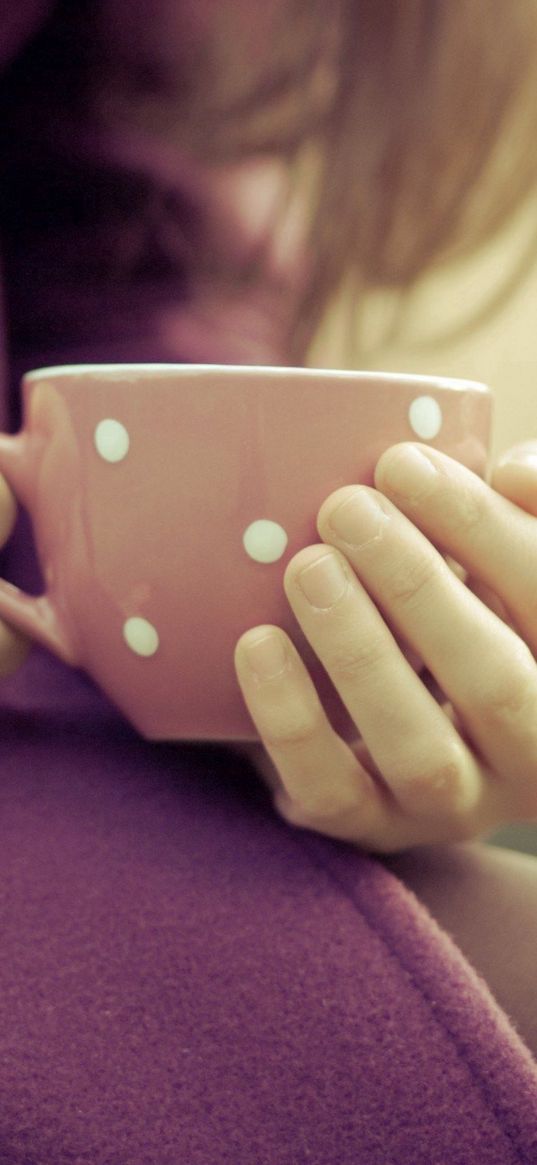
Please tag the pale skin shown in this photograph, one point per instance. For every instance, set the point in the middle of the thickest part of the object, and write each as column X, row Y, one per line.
column 426, row 770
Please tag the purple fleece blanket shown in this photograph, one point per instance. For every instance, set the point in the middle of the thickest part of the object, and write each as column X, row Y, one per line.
column 183, row 977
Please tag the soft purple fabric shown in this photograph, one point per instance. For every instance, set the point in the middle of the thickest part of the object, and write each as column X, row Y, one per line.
column 183, row 977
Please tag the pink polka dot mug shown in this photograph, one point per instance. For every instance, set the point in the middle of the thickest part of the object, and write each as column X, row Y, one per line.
column 166, row 501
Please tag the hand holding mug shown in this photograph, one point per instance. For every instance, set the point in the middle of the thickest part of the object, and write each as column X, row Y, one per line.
column 421, row 773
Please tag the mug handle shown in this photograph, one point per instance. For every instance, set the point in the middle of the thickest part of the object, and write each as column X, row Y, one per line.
column 32, row 616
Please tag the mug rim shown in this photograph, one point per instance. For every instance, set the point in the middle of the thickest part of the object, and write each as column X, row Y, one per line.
column 451, row 382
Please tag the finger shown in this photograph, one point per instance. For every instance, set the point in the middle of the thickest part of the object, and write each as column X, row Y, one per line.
column 515, row 476
column 14, row 647
column 491, row 600
column 422, row 759
column 317, row 767
column 326, row 787
column 491, row 537
column 483, row 667
column 8, row 511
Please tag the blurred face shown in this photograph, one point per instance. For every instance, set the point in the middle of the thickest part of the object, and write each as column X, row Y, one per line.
column 163, row 32
column 152, row 30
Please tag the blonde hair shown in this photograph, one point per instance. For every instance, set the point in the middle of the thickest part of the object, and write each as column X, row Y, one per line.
column 421, row 116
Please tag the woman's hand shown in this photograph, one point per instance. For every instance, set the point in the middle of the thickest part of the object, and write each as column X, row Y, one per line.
column 423, row 772
column 14, row 647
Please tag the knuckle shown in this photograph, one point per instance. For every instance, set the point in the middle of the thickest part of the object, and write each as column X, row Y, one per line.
column 289, row 810
column 314, row 809
column 411, row 578
column 352, row 664
column 511, row 693
column 314, row 795
column 468, row 827
column 438, row 786
column 468, row 513
column 294, row 733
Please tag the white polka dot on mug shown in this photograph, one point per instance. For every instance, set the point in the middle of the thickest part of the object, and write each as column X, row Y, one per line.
column 425, row 416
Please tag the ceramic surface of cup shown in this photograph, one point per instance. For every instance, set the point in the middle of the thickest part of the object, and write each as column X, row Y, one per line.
column 167, row 500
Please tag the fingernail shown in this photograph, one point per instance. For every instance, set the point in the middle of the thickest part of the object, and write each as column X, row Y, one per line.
column 359, row 519
column 520, row 455
column 267, row 656
column 323, row 583
column 409, row 471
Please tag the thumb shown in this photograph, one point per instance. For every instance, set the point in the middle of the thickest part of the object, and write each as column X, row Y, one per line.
column 8, row 511
column 515, row 475
column 14, row 647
